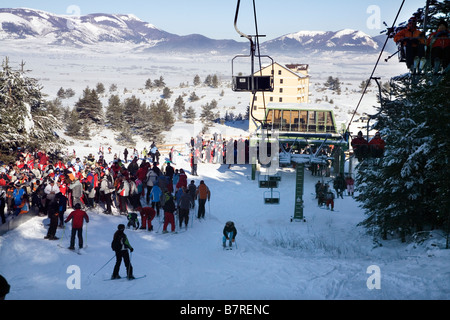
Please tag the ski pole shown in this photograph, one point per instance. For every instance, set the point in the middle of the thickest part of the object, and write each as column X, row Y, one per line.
column 105, row 265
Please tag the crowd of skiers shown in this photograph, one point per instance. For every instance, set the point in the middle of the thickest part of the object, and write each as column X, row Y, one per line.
column 325, row 195
column 35, row 182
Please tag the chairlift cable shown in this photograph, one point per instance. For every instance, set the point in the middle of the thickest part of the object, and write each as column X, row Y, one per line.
column 375, row 67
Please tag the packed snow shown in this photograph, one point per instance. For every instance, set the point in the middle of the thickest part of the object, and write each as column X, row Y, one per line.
column 327, row 256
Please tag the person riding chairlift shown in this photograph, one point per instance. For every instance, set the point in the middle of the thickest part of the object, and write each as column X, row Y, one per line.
column 376, row 146
column 413, row 41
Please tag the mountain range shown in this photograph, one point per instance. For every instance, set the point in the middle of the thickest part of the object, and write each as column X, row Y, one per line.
column 80, row 31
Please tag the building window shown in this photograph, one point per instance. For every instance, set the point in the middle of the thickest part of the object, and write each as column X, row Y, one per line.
column 281, row 81
column 281, row 90
column 279, row 72
column 280, row 100
column 271, row 99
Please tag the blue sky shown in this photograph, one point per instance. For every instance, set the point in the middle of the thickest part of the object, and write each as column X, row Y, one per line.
column 215, row 18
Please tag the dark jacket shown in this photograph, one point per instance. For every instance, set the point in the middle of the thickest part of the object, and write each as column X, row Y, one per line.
column 227, row 230
column 120, row 242
column 169, row 205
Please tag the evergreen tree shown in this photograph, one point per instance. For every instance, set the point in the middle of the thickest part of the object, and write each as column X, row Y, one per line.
column 148, row 84
column 61, row 94
column 193, row 97
column 179, row 106
column 167, row 93
column 408, row 189
column 89, row 107
column 114, row 113
column 131, row 109
column 159, row 83
column 73, row 126
column 190, row 115
column 207, row 114
column 215, row 81
column 100, row 88
column 161, row 119
column 24, row 118
column 197, row 80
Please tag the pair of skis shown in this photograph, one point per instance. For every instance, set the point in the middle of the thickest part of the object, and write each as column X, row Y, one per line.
column 135, row 278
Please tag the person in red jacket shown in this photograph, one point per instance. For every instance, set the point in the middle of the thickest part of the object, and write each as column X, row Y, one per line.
column 147, row 214
column 360, row 146
column 77, row 218
column 376, row 146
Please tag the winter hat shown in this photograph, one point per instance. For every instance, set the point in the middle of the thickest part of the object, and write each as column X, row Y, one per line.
column 121, row 227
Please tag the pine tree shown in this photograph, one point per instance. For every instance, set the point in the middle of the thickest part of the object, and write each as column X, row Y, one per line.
column 73, row 126
column 190, row 115
column 89, row 107
column 131, row 108
column 167, row 93
column 179, row 106
column 114, row 113
column 161, row 119
column 197, row 80
column 24, row 118
column 408, row 189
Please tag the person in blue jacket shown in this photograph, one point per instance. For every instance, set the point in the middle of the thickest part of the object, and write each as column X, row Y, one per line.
column 155, row 196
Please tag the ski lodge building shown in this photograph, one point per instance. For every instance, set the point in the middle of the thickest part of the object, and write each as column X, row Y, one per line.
column 291, row 85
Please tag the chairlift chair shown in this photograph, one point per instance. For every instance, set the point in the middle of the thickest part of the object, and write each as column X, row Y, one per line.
column 272, row 197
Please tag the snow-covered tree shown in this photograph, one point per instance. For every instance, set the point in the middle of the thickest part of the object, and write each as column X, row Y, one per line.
column 24, row 118
column 409, row 190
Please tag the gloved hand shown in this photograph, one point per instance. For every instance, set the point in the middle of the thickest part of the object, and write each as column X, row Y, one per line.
column 131, row 249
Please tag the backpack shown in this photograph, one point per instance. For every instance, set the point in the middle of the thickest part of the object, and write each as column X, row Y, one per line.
column 116, row 244
column 110, row 183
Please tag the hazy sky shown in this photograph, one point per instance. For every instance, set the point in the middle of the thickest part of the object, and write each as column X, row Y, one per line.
column 215, row 18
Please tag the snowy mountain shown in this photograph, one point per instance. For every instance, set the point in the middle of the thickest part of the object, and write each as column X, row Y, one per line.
column 97, row 28
column 343, row 40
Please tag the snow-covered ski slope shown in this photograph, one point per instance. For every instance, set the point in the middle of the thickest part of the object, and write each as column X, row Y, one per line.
column 326, row 257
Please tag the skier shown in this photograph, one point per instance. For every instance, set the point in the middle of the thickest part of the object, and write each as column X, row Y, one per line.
column 329, row 198
column 339, row 185
column 169, row 209
column 147, row 214
column 121, row 245
column 203, row 194
column 192, row 189
column 350, row 185
column 155, row 197
column 229, row 234
column 184, row 204
column 133, row 221
column 53, row 213
column 77, row 217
